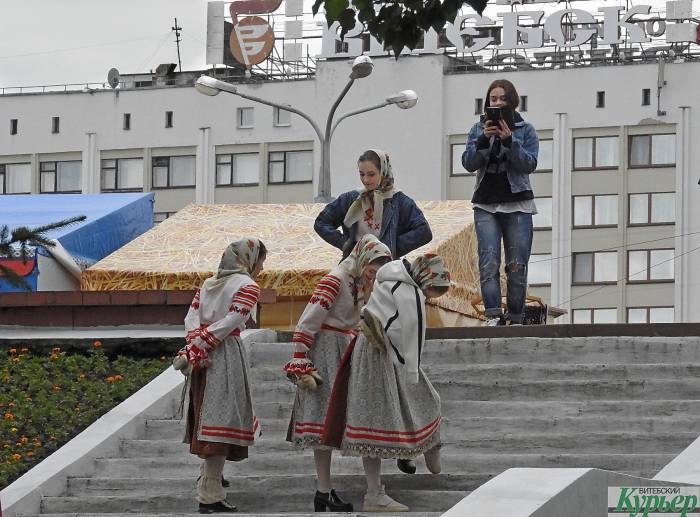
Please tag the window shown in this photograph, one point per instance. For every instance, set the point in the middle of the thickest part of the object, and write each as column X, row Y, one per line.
column 478, row 106
column 159, row 217
column 237, row 169
column 15, row 178
column 646, row 96
column 122, row 175
column 650, row 315
column 127, row 122
column 599, row 99
column 652, row 151
column 456, row 168
column 652, row 208
column 13, row 126
column 587, row 316
column 598, row 152
column 523, row 103
column 55, row 124
column 650, row 265
column 544, row 157
column 539, row 269
column 61, row 177
column 168, row 119
column 290, row 167
column 543, row 218
column 244, row 117
column 595, row 267
column 173, row 171
column 595, row 211
column 281, row 118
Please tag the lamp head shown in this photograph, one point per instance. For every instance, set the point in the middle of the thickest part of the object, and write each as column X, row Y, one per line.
column 404, row 99
column 361, row 67
column 210, row 86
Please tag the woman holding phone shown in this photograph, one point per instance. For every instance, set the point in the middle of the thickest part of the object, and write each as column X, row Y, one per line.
column 503, row 149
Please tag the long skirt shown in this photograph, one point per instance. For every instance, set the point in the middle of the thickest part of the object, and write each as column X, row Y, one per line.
column 220, row 417
column 309, row 412
column 382, row 414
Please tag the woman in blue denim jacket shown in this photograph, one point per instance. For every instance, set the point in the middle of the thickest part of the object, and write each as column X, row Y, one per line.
column 379, row 209
column 503, row 154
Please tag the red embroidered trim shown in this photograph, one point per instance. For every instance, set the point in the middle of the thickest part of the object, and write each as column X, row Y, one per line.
column 300, row 355
column 209, row 338
column 321, row 300
column 386, row 431
column 299, row 368
column 227, row 429
column 378, row 438
column 195, row 301
column 350, row 332
column 302, row 337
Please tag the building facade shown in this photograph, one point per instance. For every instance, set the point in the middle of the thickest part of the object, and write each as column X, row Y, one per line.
column 618, row 228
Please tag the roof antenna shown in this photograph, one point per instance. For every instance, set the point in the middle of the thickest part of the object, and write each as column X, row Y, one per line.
column 177, row 42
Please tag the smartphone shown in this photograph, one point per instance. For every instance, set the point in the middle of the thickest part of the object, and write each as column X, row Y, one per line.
column 493, row 114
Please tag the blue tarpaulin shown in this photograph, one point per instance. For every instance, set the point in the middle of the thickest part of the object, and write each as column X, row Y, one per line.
column 112, row 221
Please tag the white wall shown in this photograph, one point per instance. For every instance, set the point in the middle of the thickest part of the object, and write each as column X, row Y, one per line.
column 417, row 140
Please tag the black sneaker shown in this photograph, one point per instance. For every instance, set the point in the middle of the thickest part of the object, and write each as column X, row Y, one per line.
column 220, row 507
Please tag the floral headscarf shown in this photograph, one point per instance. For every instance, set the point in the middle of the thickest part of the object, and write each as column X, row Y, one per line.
column 371, row 202
column 367, row 249
column 429, row 270
column 240, row 257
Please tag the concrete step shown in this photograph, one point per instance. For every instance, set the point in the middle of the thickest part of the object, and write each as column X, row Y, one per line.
column 649, row 389
column 291, row 501
column 505, row 371
column 550, row 372
column 620, row 350
column 300, row 483
column 241, row 514
column 458, row 442
column 473, row 423
column 274, row 464
column 576, row 389
column 662, row 408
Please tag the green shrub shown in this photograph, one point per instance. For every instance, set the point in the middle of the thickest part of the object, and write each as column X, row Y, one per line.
column 47, row 399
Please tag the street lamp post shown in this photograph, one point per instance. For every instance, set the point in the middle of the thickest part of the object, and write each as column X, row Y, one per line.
column 362, row 67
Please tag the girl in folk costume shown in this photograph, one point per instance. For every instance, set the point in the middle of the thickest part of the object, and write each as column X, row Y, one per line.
column 378, row 209
column 388, row 408
column 321, row 336
column 220, row 419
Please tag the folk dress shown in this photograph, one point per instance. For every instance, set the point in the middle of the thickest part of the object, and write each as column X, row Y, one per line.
column 220, row 419
column 326, row 327
column 386, row 407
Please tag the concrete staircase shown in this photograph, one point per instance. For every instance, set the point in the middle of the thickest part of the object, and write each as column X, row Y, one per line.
column 620, row 403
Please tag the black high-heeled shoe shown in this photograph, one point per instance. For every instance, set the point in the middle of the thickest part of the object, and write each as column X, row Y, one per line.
column 406, row 466
column 220, row 507
column 330, row 502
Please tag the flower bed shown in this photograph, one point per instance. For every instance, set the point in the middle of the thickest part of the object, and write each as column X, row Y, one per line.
column 47, row 399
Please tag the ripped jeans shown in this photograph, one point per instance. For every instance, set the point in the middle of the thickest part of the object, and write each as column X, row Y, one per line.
column 516, row 230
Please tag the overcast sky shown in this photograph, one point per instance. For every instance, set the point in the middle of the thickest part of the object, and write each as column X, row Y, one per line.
column 75, row 41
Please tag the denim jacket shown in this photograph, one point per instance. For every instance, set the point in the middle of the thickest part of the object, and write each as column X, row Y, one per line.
column 517, row 161
column 404, row 227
